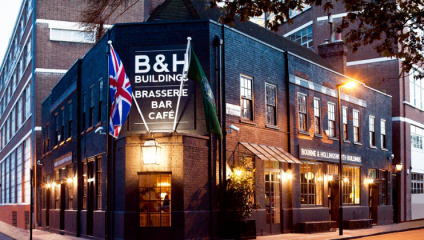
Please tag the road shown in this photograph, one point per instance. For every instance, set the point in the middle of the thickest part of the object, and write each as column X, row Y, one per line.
column 3, row 237
column 414, row 234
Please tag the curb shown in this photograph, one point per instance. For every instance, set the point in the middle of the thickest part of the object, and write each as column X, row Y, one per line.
column 380, row 233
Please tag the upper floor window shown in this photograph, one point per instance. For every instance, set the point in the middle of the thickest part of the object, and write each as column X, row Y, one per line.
column 417, row 135
column 383, row 134
column 70, row 120
column 91, row 120
column 100, row 100
column 303, row 37
column 301, row 109
column 28, row 53
column 356, row 129
column 246, row 97
column 83, row 111
column 28, row 102
column 372, row 131
column 345, row 132
column 29, row 8
column 416, row 87
column 271, row 104
column 56, row 121
column 317, row 115
column 21, row 69
column 67, row 35
column 62, row 132
column 21, row 32
column 417, row 182
column 331, row 120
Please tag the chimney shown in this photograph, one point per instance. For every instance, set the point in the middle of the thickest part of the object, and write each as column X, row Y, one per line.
column 335, row 54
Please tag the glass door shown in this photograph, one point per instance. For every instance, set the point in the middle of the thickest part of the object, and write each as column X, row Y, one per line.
column 273, row 199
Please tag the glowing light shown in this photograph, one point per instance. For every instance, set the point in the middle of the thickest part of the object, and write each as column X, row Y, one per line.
column 349, row 85
column 370, row 181
column 309, row 175
column 238, row 173
column 90, row 180
column 162, row 196
column 48, row 185
column 330, row 178
column 151, row 152
column 399, row 167
column 345, row 180
column 164, row 184
column 69, row 180
column 54, row 184
column 289, row 176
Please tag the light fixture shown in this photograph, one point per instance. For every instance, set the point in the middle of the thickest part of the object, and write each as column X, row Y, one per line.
column 90, row 180
column 309, row 175
column 345, row 180
column 370, row 181
column 330, row 178
column 238, row 172
column 399, row 167
column 69, row 180
column 54, row 184
column 48, row 185
column 151, row 152
column 289, row 176
column 349, row 84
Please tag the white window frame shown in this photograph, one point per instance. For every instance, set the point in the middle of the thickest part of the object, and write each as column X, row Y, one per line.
column 371, row 126
column 332, row 117
column 383, row 129
column 300, row 94
column 357, row 125
column 317, row 114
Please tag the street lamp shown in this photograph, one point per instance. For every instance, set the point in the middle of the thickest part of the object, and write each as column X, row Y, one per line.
column 348, row 84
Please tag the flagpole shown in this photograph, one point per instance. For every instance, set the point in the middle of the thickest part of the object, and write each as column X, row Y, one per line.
column 109, row 159
column 139, row 111
column 185, row 71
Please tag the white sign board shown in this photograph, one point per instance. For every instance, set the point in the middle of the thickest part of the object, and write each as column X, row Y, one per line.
column 233, row 110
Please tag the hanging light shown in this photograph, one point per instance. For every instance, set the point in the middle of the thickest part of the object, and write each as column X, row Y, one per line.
column 309, row 175
column 151, row 152
column 370, row 180
column 399, row 167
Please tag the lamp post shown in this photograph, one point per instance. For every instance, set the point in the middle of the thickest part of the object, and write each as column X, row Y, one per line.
column 345, row 85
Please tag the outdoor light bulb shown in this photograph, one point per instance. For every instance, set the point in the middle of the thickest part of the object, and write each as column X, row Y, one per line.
column 330, row 178
column 238, row 173
column 289, row 176
column 309, row 175
column 370, row 181
column 399, row 167
column 69, row 180
column 349, row 85
column 48, row 185
column 53, row 184
column 345, row 179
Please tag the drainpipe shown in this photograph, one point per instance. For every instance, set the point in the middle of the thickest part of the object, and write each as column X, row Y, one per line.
column 79, row 163
column 33, row 192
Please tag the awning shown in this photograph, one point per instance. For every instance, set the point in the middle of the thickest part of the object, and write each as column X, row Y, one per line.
column 270, row 153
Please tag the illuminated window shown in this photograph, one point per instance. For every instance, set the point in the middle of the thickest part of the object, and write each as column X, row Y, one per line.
column 99, row 183
column 67, row 35
column 345, row 131
column 301, row 108
column 57, row 190
column 356, row 129
column 311, row 184
column 70, row 175
column 303, row 37
column 317, row 115
column 84, row 190
column 351, row 185
column 155, row 200
column 272, row 192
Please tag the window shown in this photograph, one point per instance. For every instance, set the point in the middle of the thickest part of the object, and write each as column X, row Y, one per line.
column 351, row 185
column 417, row 135
column 21, row 70
column 56, row 120
column 70, row 120
column 416, row 86
column 13, row 123
column 384, row 175
column 27, row 160
column 356, row 130
column 67, row 35
column 301, row 108
column 383, row 134
column 62, row 132
column 12, row 177
column 70, row 174
column 155, row 200
column 246, row 97
column 7, row 130
column 91, row 116
column 317, row 115
column 29, row 10
column 271, row 104
column 100, row 100
column 12, row 89
column 28, row 53
column 22, row 29
column 19, row 112
column 7, row 180
column 331, row 120
column 303, row 37
column 83, row 111
column 47, row 138
column 99, row 183
column 372, row 173
column 417, row 182
column 57, row 191
column 84, row 191
column 272, row 192
column 345, row 132
column 372, row 131
column 311, row 183
column 3, row 182
column 28, row 102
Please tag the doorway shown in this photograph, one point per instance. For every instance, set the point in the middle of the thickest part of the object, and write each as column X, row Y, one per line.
column 47, row 201
column 90, row 197
column 62, row 206
column 273, row 200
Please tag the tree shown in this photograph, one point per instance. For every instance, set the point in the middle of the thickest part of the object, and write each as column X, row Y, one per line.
column 394, row 26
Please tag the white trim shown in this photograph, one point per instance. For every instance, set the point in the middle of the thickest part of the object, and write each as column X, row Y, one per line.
column 298, row 28
column 330, row 70
column 340, row 15
column 411, row 105
column 17, row 145
column 38, row 128
column 61, row 24
column 46, row 70
column 407, row 120
column 372, row 60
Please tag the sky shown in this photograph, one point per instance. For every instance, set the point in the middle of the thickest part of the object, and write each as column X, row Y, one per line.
column 9, row 10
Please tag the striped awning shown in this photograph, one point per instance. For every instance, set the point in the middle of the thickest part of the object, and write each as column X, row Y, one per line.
column 270, row 153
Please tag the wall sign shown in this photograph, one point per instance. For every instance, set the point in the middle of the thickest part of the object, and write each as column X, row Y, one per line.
column 155, row 74
column 233, row 110
column 327, row 155
column 63, row 160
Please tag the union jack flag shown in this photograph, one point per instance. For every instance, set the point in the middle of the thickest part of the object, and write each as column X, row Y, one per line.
column 120, row 93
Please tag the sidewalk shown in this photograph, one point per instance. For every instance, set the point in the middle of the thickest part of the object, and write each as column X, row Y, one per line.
column 349, row 234
column 21, row 234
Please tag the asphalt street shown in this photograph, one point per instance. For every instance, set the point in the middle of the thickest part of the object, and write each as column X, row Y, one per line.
column 414, row 234
column 3, row 237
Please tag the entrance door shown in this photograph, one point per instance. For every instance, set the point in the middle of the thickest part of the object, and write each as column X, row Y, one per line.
column 330, row 198
column 90, row 197
column 373, row 201
column 48, row 194
column 62, row 206
column 272, row 200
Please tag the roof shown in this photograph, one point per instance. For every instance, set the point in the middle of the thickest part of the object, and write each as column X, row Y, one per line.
column 270, row 153
column 172, row 10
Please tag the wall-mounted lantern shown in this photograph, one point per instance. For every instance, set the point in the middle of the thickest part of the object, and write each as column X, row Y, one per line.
column 399, row 167
column 151, row 152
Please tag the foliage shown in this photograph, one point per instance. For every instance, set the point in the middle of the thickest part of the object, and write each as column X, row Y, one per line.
column 394, row 26
column 241, row 189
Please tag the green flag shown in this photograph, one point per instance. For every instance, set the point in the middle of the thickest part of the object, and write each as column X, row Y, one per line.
column 195, row 72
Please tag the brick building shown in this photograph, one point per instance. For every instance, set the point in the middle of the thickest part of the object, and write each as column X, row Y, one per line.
column 284, row 107
column 310, row 28
column 45, row 42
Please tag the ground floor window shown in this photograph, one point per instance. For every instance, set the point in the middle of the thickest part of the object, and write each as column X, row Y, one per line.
column 311, row 183
column 417, row 182
column 155, row 200
column 351, row 185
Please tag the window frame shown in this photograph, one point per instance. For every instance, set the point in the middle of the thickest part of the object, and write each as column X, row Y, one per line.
column 371, row 128
column 99, row 183
column 334, row 120
column 268, row 105
column 318, row 166
column 245, row 98
column 302, row 113
column 319, row 132
column 357, row 127
column 355, row 184
column 345, row 112
column 383, row 134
